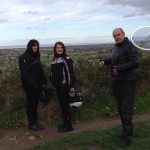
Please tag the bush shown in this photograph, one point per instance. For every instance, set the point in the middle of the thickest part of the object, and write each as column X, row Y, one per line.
column 94, row 84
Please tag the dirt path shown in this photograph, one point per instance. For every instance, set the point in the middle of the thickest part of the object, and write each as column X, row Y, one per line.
column 23, row 139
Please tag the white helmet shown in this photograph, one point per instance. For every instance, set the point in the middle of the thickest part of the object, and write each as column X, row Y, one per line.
column 75, row 99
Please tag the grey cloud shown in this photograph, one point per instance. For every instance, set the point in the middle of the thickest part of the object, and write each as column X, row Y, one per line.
column 37, row 1
column 3, row 21
column 142, row 5
column 52, row 11
column 30, row 12
column 29, row 28
column 42, row 30
column 130, row 15
column 44, row 19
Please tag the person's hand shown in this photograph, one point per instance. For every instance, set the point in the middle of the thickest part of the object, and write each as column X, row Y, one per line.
column 72, row 89
column 115, row 72
column 101, row 63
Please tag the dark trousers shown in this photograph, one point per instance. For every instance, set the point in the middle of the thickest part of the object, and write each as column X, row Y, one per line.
column 32, row 105
column 124, row 93
column 63, row 95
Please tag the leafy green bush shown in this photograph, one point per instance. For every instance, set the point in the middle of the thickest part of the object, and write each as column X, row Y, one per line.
column 94, row 84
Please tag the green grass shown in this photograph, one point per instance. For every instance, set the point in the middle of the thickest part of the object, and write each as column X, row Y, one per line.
column 9, row 119
column 101, row 140
column 142, row 103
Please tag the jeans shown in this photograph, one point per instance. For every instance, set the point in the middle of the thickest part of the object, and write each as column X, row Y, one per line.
column 123, row 91
column 32, row 105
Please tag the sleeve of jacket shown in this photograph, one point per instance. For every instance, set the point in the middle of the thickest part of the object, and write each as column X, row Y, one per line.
column 44, row 80
column 24, row 66
column 133, row 59
column 71, row 71
column 106, row 61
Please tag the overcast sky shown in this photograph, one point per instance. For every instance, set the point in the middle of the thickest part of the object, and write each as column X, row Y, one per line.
column 70, row 21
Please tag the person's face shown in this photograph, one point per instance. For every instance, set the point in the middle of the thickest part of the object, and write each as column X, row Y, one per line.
column 35, row 48
column 118, row 36
column 59, row 49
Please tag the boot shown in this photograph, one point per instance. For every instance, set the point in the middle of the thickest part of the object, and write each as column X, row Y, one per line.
column 67, row 126
column 36, row 127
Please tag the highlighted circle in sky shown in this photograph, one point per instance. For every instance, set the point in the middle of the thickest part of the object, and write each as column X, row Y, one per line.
column 141, row 38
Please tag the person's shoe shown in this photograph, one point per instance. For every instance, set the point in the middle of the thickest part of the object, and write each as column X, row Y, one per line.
column 35, row 127
column 123, row 142
column 65, row 128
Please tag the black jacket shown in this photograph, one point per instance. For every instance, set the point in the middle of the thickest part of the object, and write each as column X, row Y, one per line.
column 31, row 71
column 62, row 73
column 125, row 58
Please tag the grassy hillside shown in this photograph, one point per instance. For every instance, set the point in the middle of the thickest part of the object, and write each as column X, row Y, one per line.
column 94, row 84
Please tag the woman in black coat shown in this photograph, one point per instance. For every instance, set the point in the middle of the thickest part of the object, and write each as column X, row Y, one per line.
column 32, row 78
column 63, row 78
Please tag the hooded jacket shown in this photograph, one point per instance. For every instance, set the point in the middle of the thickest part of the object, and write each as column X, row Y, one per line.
column 31, row 71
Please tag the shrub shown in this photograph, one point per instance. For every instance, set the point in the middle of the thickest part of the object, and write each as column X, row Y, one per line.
column 94, row 84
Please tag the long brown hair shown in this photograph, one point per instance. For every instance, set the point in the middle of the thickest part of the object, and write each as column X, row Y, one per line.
column 63, row 46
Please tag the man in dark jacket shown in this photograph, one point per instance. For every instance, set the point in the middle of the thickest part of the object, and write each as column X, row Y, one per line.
column 124, row 60
column 32, row 78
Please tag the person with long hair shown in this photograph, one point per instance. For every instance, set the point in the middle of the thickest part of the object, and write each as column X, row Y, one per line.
column 33, row 79
column 63, row 78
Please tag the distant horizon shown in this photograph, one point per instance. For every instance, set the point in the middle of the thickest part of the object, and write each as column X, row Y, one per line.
column 51, row 45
